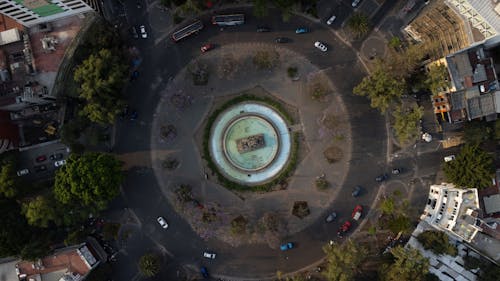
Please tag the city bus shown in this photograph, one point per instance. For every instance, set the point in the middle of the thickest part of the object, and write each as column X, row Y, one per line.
column 187, row 30
column 225, row 20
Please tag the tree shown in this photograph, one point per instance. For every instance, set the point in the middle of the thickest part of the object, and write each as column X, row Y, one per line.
column 472, row 168
column 489, row 272
column 91, row 179
column 437, row 78
column 387, row 206
column 408, row 264
column 407, row 62
column 286, row 7
column 497, row 129
column 343, row 261
column 15, row 231
column 381, row 88
column 407, row 123
column 260, row 8
column 358, row 24
column 36, row 248
column 8, row 187
column 477, row 132
column 437, row 242
column 40, row 212
column 101, row 77
column 149, row 265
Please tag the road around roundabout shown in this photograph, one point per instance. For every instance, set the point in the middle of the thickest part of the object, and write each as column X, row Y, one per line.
column 143, row 194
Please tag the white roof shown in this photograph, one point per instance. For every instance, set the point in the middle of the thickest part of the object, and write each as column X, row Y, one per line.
column 9, row 36
column 487, row 10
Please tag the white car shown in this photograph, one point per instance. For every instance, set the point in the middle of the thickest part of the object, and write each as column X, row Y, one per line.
column 209, row 255
column 449, row 158
column 355, row 3
column 162, row 222
column 60, row 163
column 331, row 20
column 320, row 46
column 23, row 172
column 142, row 29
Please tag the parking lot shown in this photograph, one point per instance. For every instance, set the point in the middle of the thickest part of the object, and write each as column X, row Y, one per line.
column 40, row 161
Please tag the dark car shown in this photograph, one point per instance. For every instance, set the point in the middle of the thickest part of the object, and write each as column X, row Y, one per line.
column 356, row 191
column 40, row 168
column 263, row 29
column 134, row 75
column 381, row 178
column 331, row 217
column 282, row 40
column 56, row 156
column 396, row 171
column 41, row 158
column 134, row 115
column 204, row 272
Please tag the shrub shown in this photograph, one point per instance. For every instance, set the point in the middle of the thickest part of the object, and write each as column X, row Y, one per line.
column 322, row 183
column 183, row 193
column 238, row 225
column 149, row 265
column 300, row 209
column 333, row 154
column 266, row 59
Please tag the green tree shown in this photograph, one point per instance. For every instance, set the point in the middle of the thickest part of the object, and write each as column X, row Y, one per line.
column 260, row 8
column 399, row 223
column 408, row 264
column 407, row 62
column 359, row 24
column 497, row 129
column 149, row 265
column 477, row 132
column 407, row 123
column 437, row 78
column 91, row 179
column 489, row 272
column 103, row 272
column 387, row 206
column 36, row 248
column 472, row 168
column 437, row 242
column 395, row 42
column 15, row 231
column 343, row 260
column 381, row 88
column 101, row 77
column 8, row 187
column 40, row 212
column 286, row 7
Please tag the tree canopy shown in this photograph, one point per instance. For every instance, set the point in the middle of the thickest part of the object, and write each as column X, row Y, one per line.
column 91, row 179
column 359, row 24
column 15, row 232
column 101, row 77
column 408, row 264
column 437, row 78
column 8, row 186
column 40, row 212
column 472, row 168
column 477, row 132
column 437, row 242
column 343, row 260
column 407, row 123
column 149, row 265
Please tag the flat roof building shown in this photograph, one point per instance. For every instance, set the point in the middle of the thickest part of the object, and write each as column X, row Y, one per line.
column 483, row 15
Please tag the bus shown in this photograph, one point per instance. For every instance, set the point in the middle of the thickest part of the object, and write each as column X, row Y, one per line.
column 187, row 30
column 225, row 20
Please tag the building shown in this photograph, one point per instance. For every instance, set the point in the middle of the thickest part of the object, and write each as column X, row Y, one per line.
column 484, row 15
column 453, row 210
column 31, row 13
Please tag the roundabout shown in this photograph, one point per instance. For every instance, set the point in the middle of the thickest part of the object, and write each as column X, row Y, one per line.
column 257, row 142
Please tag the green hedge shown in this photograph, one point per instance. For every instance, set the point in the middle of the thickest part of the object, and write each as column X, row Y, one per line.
column 292, row 162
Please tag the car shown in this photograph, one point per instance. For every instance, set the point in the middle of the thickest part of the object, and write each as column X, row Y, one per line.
column 356, row 191
column 41, row 158
column 204, row 272
column 381, row 178
column 56, row 156
column 40, row 168
column 344, row 228
column 356, row 213
column 207, row 47
column 134, row 76
column 282, row 40
column 287, row 246
column 301, row 30
column 209, row 255
column 320, row 46
column 133, row 31
column 449, row 158
column 263, row 29
column 60, row 163
column 134, row 115
column 355, row 3
column 144, row 34
column 23, row 172
column 138, row 5
column 163, row 223
column 396, row 171
column 331, row 217
column 331, row 20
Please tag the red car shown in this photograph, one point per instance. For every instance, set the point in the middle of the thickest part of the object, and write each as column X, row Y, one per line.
column 207, row 47
column 356, row 214
column 41, row 158
column 344, row 228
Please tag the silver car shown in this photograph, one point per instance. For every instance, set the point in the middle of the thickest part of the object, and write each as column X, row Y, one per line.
column 163, row 223
column 355, row 3
column 331, row 20
column 320, row 46
column 142, row 29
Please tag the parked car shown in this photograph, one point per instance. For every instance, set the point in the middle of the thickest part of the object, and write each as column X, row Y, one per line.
column 263, row 29
column 396, row 171
column 331, row 20
column 381, row 177
column 449, row 158
column 356, row 191
column 356, row 213
column 40, row 168
column 287, row 246
column 282, row 40
column 134, row 75
column 41, row 158
column 134, row 115
column 301, row 30
column 344, row 228
column 134, row 33
column 60, row 163
column 331, row 217
column 23, row 172
column 207, row 47
column 144, row 34
column 209, row 255
column 163, row 223
column 355, row 3
column 56, row 156
column 204, row 272
column 320, row 46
